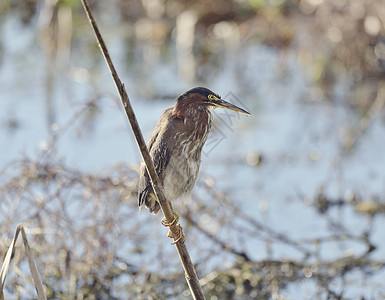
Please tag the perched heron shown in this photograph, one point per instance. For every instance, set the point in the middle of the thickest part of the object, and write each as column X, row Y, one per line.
column 176, row 145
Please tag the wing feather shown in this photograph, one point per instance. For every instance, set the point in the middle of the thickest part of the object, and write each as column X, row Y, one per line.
column 160, row 153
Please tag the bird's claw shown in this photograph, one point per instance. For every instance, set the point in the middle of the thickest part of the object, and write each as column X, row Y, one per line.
column 168, row 224
column 180, row 236
column 173, row 222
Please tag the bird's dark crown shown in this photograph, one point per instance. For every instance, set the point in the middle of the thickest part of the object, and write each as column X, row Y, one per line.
column 198, row 90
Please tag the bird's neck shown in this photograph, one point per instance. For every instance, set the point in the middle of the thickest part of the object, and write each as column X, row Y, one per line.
column 190, row 111
column 197, row 121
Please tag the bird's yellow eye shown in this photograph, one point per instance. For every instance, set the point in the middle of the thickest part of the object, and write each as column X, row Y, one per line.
column 211, row 97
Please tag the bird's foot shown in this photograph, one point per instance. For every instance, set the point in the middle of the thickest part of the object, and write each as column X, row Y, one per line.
column 173, row 222
column 180, row 236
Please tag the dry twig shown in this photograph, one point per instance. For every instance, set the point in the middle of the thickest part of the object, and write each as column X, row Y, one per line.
column 31, row 262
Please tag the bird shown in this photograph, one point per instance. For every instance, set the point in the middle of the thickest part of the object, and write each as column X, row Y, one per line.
column 175, row 146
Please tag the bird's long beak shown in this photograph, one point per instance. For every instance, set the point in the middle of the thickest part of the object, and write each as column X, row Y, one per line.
column 224, row 104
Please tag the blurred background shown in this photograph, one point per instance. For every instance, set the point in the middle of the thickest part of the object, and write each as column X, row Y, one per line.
column 289, row 203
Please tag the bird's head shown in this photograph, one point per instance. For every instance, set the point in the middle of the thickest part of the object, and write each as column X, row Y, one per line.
column 204, row 97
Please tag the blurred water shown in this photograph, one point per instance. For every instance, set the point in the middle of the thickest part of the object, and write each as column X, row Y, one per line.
column 300, row 140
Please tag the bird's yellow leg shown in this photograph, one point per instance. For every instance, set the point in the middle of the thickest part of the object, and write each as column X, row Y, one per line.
column 152, row 195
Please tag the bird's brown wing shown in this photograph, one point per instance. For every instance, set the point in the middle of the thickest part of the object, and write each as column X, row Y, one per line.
column 160, row 154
